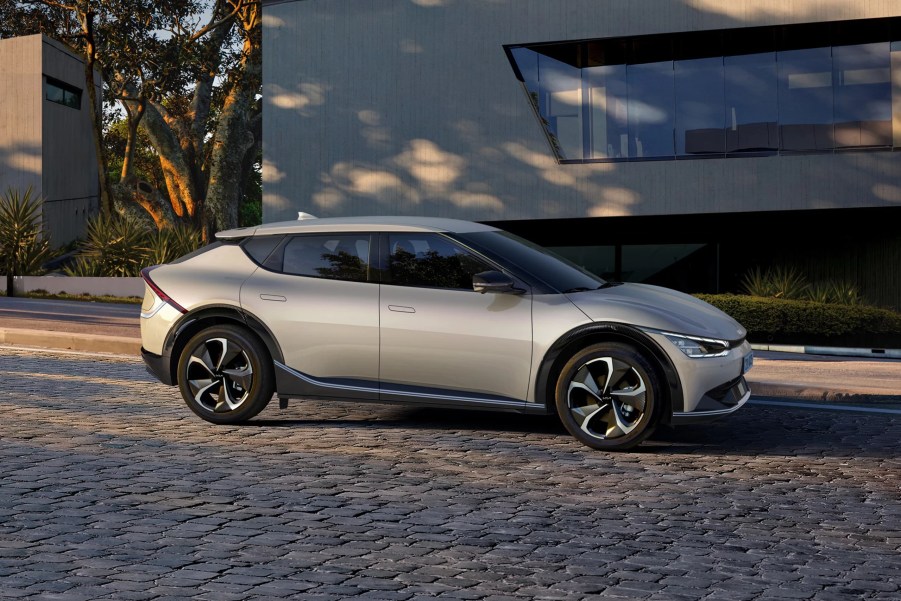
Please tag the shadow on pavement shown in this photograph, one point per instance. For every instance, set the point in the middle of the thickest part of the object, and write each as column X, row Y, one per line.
column 752, row 431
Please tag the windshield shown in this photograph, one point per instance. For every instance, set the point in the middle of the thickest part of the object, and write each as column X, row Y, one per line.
column 552, row 269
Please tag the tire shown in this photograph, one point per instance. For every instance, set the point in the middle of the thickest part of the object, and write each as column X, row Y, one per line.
column 609, row 413
column 225, row 374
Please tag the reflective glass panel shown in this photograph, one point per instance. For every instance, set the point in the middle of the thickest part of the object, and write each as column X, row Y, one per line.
column 561, row 105
column 650, row 109
column 863, row 95
column 752, row 112
column 805, row 99
column 700, row 118
column 333, row 256
column 607, row 92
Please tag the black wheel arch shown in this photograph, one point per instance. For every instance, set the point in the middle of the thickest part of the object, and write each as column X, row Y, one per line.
column 581, row 336
column 213, row 315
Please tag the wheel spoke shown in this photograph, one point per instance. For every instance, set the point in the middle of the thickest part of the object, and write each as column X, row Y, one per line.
column 227, row 401
column 633, row 396
column 585, row 380
column 242, row 377
column 200, row 388
column 203, row 361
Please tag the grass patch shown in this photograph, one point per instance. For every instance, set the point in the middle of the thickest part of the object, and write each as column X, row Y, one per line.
column 89, row 298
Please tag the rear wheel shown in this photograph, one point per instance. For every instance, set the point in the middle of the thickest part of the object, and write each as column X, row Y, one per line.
column 225, row 375
column 608, row 396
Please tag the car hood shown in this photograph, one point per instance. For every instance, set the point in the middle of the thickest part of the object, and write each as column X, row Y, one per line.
column 657, row 308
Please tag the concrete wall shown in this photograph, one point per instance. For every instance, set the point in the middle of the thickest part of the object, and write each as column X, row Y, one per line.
column 20, row 114
column 44, row 145
column 72, row 285
column 411, row 107
column 70, row 183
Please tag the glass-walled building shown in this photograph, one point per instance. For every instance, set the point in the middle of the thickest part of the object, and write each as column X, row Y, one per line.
column 818, row 87
column 663, row 141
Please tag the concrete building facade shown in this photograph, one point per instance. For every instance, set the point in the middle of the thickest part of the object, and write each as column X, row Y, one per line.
column 679, row 142
column 45, row 132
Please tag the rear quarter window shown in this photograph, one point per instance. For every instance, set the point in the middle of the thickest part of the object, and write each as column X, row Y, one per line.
column 258, row 248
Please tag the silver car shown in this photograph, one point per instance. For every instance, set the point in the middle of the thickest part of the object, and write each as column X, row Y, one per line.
column 439, row 313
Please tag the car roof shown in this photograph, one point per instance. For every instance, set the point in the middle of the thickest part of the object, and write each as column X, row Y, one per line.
column 358, row 224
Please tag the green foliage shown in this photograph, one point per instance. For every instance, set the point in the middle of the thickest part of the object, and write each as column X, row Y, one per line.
column 166, row 245
column 120, row 246
column 778, row 282
column 23, row 248
column 785, row 320
column 788, row 283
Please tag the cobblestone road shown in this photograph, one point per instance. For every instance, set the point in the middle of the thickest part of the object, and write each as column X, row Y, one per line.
column 111, row 489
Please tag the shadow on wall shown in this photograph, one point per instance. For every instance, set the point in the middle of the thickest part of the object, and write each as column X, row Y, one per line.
column 469, row 145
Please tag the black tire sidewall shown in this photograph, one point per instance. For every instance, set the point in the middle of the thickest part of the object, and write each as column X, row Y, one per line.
column 263, row 380
column 653, row 400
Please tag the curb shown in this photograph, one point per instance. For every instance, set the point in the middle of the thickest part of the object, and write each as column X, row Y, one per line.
column 873, row 353
column 818, row 394
column 75, row 341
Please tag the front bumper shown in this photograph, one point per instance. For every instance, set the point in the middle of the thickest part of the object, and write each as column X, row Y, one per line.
column 721, row 401
column 158, row 366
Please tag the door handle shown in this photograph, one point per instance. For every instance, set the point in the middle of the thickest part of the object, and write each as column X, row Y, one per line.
column 401, row 309
column 273, row 297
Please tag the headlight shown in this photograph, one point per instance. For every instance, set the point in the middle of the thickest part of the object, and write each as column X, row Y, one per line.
column 696, row 347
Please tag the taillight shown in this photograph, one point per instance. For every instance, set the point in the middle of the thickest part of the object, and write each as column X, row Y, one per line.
column 145, row 273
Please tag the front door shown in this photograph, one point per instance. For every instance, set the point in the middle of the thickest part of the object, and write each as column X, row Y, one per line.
column 441, row 342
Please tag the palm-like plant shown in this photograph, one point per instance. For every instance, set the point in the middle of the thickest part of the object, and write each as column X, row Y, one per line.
column 117, row 244
column 23, row 246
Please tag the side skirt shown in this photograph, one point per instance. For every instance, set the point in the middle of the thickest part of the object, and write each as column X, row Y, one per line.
column 291, row 383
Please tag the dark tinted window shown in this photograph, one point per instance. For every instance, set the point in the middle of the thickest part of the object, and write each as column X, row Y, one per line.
column 431, row 260
column 62, row 93
column 332, row 256
column 539, row 262
column 259, row 247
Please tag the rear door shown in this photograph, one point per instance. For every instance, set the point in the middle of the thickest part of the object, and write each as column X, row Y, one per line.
column 316, row 295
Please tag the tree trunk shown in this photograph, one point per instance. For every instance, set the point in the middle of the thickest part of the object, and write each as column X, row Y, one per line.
column 87, row 24
column 232, row 141
column 177, row 171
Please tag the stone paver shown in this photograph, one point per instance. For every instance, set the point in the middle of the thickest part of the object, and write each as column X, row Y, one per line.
column 111, row 489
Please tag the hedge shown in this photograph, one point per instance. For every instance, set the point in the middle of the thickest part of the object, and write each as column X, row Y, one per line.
column 776, row 320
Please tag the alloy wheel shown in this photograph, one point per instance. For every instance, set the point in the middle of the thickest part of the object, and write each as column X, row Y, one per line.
column 606, row 397
column 219, row 375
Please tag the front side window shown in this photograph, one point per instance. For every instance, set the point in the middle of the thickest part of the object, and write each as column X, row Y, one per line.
column 343, row 256
column 431, row 261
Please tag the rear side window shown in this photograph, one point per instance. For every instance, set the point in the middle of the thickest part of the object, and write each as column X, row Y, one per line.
column 340, row 256
column 259, row 248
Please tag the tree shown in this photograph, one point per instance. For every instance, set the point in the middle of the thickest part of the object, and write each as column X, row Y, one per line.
column 191, row 85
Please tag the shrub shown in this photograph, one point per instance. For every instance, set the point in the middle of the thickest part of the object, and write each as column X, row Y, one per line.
column 121, row 246
column 23, row 246
column 803, row 321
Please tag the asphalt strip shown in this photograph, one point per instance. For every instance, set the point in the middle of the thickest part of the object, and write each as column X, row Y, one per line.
column 828, row 407
column 60, row 351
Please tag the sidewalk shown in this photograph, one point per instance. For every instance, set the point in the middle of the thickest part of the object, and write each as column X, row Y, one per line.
column 102, row 327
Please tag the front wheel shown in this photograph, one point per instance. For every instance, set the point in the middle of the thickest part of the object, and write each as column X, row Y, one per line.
column 608, row 397
column 225, row 375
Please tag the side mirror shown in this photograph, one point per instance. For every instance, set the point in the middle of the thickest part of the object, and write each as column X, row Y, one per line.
column 494, row 281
